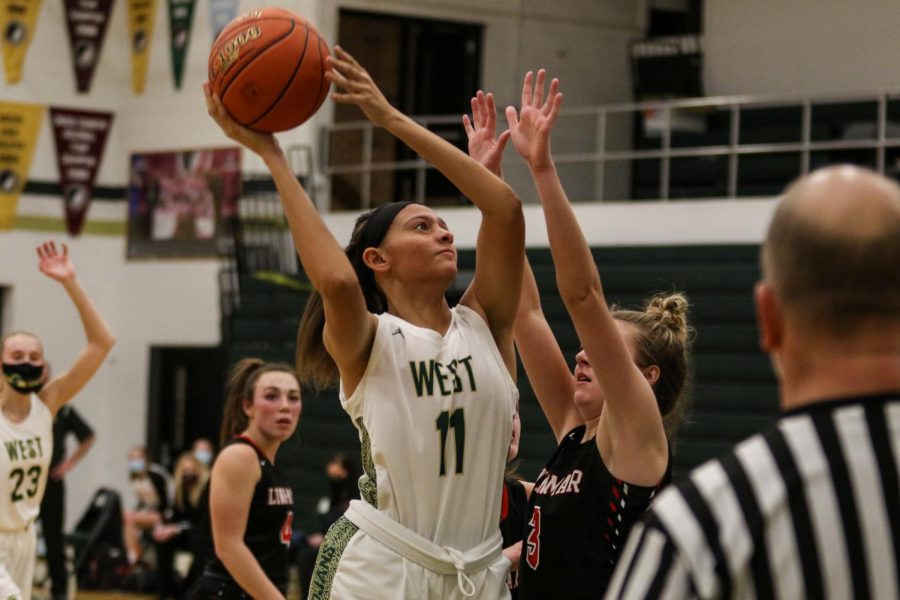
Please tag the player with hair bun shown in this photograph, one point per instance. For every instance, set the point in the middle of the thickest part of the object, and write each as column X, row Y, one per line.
column 608, row 417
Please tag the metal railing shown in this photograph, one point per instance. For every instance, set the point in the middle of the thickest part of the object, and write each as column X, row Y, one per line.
column 666, row 119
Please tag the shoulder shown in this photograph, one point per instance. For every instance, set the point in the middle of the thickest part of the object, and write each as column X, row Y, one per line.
column 237, row 460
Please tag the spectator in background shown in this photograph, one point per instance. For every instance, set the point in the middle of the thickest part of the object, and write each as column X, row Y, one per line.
column 343, row 474
column 808, row 509
column 150, row 485
column 204, row 451
column 67, row 422
column 181, row 525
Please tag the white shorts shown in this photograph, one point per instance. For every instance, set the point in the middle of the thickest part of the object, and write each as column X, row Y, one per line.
column 352, row 565
column 17, row 555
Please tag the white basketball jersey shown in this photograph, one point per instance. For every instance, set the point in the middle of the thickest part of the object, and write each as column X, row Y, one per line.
column 24, row 462
column 434, row 416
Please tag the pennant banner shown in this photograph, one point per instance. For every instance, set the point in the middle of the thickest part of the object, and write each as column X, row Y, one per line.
column 181, row 17
column 19, row 127
column 18, row 19
column 141, row 14
column 221, row 13
column 86, row 21
column 80, row 137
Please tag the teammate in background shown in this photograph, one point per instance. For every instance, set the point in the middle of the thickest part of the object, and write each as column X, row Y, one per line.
column 429, row 388
column 27, row 410
column 808, row 509
column 250, row 502
column 67, row 422
column 607, row 417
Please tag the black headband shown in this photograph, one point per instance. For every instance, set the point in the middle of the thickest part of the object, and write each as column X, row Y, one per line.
column 378, row 223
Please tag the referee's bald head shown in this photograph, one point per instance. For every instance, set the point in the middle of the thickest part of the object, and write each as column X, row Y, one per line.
column 832, row 252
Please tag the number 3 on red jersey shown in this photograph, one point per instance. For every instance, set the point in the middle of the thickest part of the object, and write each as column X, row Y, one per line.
column 286, row 529
column 533, row 556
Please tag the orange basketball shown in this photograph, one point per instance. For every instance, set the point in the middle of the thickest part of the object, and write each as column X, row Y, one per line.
column 268, row 67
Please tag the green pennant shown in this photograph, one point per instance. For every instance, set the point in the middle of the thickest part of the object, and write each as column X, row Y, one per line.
column 181, row 19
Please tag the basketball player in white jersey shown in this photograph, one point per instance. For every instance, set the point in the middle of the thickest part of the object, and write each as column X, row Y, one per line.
column 27, row 409
column 429, row 388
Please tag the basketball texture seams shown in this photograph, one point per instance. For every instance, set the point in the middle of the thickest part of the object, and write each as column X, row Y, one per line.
column 268, row 67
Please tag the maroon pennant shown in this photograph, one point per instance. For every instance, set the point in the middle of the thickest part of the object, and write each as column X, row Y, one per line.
column 80, row 137
column 86, row 20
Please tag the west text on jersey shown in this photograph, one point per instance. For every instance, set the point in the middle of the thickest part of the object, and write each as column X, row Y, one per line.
column 554, row 486
column 281, row 496
column 450, row 377
column 24, row 449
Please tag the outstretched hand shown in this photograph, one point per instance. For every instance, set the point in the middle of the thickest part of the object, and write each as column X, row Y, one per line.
column 530, row 128
column 481, row 129
column 357, row 85
column 261, row 143
column 54, row 265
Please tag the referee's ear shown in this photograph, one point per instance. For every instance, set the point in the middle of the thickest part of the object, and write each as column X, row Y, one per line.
column 769, row 317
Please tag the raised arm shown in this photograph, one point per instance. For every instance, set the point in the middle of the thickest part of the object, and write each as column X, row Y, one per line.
column 541, row 355
column 62, row 388
column 501, row 239
column 633, row 423
column 234, row 477
column 349, row 327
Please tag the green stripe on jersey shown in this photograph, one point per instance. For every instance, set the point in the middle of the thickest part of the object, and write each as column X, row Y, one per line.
column 330, row 552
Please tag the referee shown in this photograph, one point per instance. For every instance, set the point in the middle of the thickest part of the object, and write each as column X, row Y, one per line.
column 811, row 508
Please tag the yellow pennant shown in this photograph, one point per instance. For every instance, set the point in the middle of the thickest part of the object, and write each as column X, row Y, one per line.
column 141, row 14
column 19, row 126
column 18, row 18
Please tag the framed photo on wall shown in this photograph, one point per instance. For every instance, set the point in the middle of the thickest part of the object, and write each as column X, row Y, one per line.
column 181, row 202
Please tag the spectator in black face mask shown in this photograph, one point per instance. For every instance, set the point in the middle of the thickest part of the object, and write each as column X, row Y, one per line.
column 343, row 475
column 181, row 524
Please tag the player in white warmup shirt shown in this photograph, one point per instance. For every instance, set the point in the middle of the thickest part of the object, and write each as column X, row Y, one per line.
column 27, row 409
column 429, row 388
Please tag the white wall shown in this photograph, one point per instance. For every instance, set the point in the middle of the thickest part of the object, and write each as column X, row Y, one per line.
column 144, row 303
column 802, row 46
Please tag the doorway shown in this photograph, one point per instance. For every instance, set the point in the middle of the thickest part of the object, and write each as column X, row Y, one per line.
column 186, row 396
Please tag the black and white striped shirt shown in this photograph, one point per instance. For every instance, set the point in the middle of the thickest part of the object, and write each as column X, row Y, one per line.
column 807, row 510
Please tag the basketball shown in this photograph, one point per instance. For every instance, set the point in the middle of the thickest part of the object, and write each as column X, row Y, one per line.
column 268, row 67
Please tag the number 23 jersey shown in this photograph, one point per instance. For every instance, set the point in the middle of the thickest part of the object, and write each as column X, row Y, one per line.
column 24, row 462
column 434, row 415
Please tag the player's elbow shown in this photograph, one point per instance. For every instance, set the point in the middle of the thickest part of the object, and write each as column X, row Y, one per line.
column 338, row 285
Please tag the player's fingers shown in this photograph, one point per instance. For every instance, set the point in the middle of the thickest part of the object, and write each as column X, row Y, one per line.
column 557, row 105
column 476, row 111
column 491, row 111
column 65, row 248
column 527, row 89
column 539, row 88
column 467, row 125
column 512, row 119
column 551, row 97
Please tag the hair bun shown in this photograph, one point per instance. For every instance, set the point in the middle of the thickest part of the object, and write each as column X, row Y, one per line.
column 670, row 311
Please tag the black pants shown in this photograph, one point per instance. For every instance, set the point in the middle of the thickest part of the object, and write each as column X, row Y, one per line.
column 52, row 518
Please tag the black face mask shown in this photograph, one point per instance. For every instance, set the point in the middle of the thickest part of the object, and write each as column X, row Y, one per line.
column 189, row 481
column 25, row 377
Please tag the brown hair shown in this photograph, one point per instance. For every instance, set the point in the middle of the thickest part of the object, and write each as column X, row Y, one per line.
column 239, row 392
column 664, row 340
column 315, row 366
column 835, row 277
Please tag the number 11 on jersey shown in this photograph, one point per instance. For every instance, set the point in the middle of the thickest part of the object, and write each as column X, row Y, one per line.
column 456, row 421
